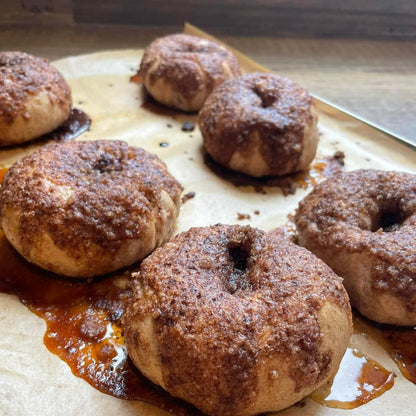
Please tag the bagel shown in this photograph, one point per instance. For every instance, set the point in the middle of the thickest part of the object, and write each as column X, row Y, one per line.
column 180, row 71
column 363, row 225
column 235, row 321
column 86, row 208
column 261, row 125
column 34, row 98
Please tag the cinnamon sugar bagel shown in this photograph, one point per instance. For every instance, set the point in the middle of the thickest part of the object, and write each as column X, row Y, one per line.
column 235, row 321
column 180, row 71
column 34, row 98
column 261, row 125
column 363, row 225
column 82, row 209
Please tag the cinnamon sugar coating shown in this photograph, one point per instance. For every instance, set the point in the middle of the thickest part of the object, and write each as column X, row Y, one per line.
column 363, row 225
column 235, row 321
column 180, row 70
column 34, row 97
column 260, row 124
column 86, row 208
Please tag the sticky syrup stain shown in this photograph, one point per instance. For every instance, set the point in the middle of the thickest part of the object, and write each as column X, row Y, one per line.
column 77, row 123
column 399, row 342
column 323, row 168
column 2, row 173
column 136, row 78
column 358, row 381
column 83, row 323
column 401, row 346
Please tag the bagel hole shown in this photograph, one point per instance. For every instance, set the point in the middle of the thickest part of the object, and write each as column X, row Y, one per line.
column 268, row 98
column 389, row 219
column 238, row 279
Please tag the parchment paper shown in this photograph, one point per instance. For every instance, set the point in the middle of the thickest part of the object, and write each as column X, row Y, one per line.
column 35, row 382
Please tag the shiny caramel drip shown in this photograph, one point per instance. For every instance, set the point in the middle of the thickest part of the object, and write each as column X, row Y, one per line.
column 77, row 123
column 359, row 380
column 84, row 328
column 400, row 343
column 136, row 78
column 2, row 173
column 402, row 348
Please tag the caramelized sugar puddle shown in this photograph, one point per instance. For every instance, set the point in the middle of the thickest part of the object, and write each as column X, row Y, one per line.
column 2, row 173
column 320, row 169
column 399, row 342
column 136, row 78
column 359, row 380
column 83, row 328
column 151, row 105
column 77, row 123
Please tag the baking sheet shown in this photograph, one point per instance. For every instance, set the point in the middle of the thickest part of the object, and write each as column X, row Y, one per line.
column 33, row 381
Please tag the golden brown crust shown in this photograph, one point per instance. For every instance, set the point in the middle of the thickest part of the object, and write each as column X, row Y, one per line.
column 260, row 124
column 26, row 83
column 91, row 199
column 363, row 224
column 180, row 70
column 221, row 313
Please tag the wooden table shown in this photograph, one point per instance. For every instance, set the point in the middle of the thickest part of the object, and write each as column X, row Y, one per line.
column 375, row 79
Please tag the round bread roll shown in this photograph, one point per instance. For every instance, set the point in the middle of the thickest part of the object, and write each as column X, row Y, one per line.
column 363, row 225
column 261, row 125
column 83, row 209
column 34, row 98
column 180, row 71
column 235, row 321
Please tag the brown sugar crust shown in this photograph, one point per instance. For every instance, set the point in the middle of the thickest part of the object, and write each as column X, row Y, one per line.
column 83, row 209
column 180, row 71
column 34, row 97
column 363, row 225
column 260, row 124
column 235, row 321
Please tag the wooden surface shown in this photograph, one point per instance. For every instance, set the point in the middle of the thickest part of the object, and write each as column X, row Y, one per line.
column 276, row 18
column 375, row 79
column 336, row 18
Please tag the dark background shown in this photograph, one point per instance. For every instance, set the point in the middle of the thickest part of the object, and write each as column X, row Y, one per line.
column 298, row 18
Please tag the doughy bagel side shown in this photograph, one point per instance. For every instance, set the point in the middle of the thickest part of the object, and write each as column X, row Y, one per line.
column 311, row 139
column 260, row 124
column 83, row 209
column 34, row 98
column 363, row 225
column 180, row 71
column 235, row 321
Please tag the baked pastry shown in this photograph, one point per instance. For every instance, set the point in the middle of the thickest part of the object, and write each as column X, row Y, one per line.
column 34, row 98
column 363, row 225
column 260, row 124
column 236, row 322
column 86, row 208
column 180, row 71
